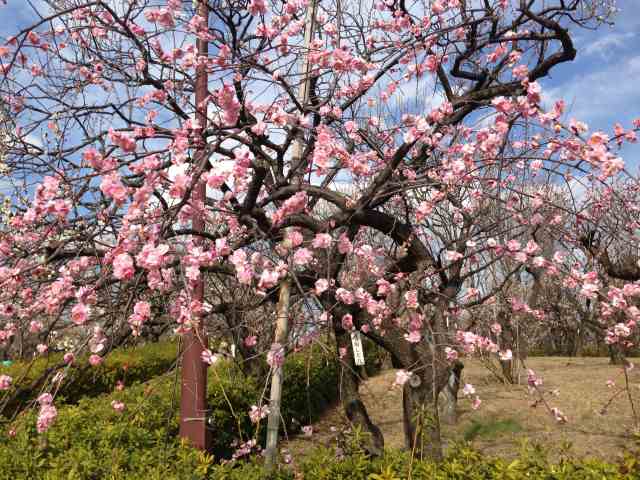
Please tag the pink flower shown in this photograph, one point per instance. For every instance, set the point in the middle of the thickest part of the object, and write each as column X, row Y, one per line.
column 141, row 313
column 413, row 336
column 453, row 256
column 384, row 287
column 302, row 256
column 123, row 267
column 496, row 328
column 112, row 187
column 68, row 357
column 559, row 416
column 347, row 322
column 610, row 384
column 152, row 257
column 295, row 238
column 401, row 377
column 258, row 413
column 227, row 101
column 46, row 417
column 275, row 357
column 251, row 341
column 33, row 37
column 468, row 389
column 532, row 379
column 513, row 245
column 208, row 357
column 42, row 348
column 95, row 360
column 307, row 430
column 322, row 240
column 117, row 406
column 80, row 313
column 451, row 354
column 119, row 385
column 143, row 309
column 411, row 297
column 5, row 382
column 322, row 284
column 506, row 355
column 93, row 158
column 35, row 326
column 257, row 7
column 476, row 403
column 344, row 244
column 345, row 296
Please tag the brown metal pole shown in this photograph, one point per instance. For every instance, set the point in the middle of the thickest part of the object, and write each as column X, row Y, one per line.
column 193, row 400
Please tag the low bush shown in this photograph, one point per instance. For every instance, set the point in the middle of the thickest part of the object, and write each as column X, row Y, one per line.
column 92, row 440
column 131, row 365
column 462, row 463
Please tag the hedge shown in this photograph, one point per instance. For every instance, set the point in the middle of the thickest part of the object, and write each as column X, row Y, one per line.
column 131, row 365
column 461, row 463
column 92, row 440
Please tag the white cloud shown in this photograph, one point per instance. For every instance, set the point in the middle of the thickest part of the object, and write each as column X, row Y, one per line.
column 603, row 46
column 603, row 96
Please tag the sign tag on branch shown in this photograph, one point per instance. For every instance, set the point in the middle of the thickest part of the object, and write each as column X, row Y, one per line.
column 358, row 352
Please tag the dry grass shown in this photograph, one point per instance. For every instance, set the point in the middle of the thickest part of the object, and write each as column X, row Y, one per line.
column 506, row 417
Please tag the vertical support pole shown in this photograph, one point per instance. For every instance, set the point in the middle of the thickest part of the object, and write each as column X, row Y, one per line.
column 193, row 400
column 282, row 321
column 282, row 333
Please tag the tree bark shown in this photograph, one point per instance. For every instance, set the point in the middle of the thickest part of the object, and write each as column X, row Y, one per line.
column 616, row 357
column 421, row 418
column 449, row 395
column 354, row 408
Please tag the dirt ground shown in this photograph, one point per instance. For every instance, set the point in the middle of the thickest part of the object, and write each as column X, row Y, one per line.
column 506, row 418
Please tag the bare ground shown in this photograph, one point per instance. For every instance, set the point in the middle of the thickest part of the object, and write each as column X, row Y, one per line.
column 506, row 417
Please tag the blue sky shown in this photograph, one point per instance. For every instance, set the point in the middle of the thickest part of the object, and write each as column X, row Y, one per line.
column 600, row 87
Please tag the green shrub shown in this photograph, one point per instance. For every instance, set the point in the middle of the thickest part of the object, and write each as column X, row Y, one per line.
column 461, row 463
column 92, row 440
column 131, row 365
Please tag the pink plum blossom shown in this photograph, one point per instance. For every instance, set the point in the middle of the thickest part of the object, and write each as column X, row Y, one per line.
column 5, row 382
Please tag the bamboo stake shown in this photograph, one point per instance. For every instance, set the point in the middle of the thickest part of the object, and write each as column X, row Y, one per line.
column 282, row 309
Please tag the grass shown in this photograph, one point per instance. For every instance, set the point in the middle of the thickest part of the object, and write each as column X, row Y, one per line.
column 490, row 429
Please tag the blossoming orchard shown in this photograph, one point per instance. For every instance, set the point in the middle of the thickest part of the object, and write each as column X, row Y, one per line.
column 254, row 179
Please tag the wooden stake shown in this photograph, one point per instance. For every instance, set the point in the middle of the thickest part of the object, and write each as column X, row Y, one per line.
column 282, row 325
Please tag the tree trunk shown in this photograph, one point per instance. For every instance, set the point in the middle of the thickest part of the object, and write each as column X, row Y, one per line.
column 421, row 417
column 616, row 356
column 449, row 395
column 507, row 370
column 354, row 409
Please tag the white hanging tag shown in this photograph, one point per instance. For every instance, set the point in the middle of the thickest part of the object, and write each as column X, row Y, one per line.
column 358, row 352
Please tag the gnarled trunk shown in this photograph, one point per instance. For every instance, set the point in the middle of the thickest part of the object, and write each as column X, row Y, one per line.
column 349, row 383
column 449, row 394
column 421, row 418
